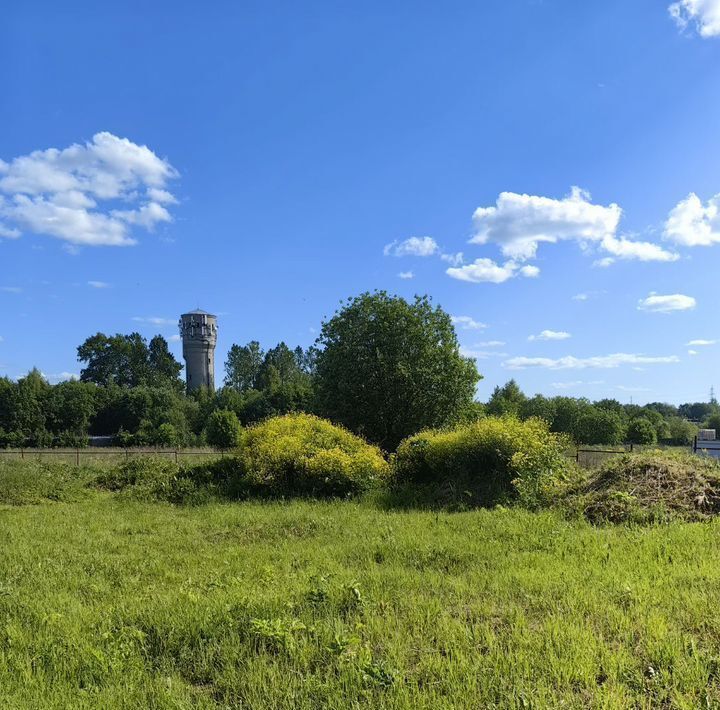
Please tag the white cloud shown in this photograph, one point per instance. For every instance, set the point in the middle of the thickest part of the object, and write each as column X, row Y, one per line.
column 704, row 14
column 467, row 323
column 11, row 289
column 414, row 246
column 530, row 272
column 453, row 259
column 692, row 352
column 480, row 354
column 74, row 194
column 570, row 362
column 60, row 377
column 154, row 320
column 519, row 223
column 175, row 338
column 575, row 383
column 666, row 304
column 8, row 232
column 406, row 275
column 491, row 344
column 701, row 343
column 581, row 297
column 98, row 284
column 623, row 248
column 550, row 335
column 692, row 224
column 2, row 339
column 487, row 271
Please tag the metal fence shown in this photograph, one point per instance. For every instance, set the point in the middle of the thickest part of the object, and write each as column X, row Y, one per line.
column 80, row 456
column 592, row 458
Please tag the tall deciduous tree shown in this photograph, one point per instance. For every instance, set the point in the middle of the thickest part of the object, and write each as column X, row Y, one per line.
column 127, row 361
column 387, row 368
column 243, row 366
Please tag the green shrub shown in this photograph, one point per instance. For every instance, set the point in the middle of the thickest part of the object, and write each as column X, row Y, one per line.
column 641, row 431
column 648, row 487
column 299, row 454
column 223, row 429
column 489, row 461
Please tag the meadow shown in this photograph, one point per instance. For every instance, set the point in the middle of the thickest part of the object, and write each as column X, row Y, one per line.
column 109, row 602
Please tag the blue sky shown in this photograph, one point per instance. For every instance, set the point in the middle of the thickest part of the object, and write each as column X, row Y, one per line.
column 548, row 171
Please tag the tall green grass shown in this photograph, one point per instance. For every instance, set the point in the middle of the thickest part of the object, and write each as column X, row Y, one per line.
column 107, row 602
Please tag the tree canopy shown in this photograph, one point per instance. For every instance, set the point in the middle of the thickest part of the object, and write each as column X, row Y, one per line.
column 387, row 368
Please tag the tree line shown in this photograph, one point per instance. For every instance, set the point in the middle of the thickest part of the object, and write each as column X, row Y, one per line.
column 382, row 366
column 607, row 421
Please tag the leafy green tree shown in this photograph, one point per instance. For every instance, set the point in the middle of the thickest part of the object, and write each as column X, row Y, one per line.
column 696, row 411
column 127, row 361
column 681, row 432
column 567, row 412
column 163, row 369
column 71, row 408
column 507, row 399
column 713, row 422
column 388, row 368
column 538, row 406
column 600, row 426
column 223, row 429
column 242, row 366
column 641, row 431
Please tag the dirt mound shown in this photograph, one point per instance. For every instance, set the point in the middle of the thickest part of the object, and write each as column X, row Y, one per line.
column 653, row 486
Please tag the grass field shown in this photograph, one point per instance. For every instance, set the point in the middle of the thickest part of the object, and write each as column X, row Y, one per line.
column 110, row 603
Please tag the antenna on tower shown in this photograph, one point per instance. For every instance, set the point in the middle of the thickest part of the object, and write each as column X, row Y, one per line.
column 712, row 395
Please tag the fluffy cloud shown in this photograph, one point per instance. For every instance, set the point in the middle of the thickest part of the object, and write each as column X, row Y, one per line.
column 480, row 354
column 666, row 304
column 99, row 284
column 406, row 275
column 550, row 335
column 87, row 195
column 154, row 320
column 622, row 248
column 467, row 323
column 704, row 14
column 488, row 271
column 520, row 223
column 491, row 344
column 701, row 343
column 692, row 352
column 414, row 246
column 692, row 224
column 579, row 363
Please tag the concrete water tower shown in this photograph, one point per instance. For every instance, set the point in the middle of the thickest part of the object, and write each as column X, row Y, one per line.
column 198, row 330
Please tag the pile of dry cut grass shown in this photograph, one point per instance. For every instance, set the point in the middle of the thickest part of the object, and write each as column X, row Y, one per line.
column 653, row 486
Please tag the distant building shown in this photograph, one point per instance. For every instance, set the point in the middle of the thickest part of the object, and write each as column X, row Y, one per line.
column 198, row 330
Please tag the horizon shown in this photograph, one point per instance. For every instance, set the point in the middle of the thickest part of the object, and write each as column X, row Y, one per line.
column 557, row 199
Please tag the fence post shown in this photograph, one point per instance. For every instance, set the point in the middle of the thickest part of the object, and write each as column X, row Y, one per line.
column 22, row 453
column 175, row 455
column 577, row 455
column 632, row 447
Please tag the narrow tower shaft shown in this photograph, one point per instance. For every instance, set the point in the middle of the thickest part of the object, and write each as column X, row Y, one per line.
column 198, row 330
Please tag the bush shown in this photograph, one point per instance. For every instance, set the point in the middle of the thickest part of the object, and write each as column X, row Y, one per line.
column 223, row 429
column 641, row 431
column 599, row 426
column 490, row 461
column 299, row 454
column 649, row 487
